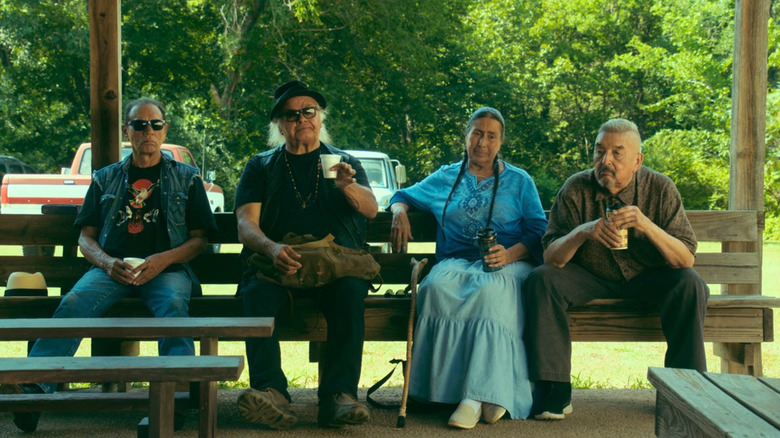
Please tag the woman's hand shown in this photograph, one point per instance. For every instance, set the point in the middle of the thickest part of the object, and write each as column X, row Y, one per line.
column 400, row 230
column 497, row 256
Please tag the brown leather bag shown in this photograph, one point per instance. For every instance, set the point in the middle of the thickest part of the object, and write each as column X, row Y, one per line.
column 322, row 261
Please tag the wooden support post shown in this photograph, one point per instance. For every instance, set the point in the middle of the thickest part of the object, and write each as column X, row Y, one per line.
column 161, row 409
column 748, row 149
column 105, row 80
column 748, row 111
column 740, row 358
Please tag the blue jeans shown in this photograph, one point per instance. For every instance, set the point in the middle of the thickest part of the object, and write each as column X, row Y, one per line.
column 167, row 295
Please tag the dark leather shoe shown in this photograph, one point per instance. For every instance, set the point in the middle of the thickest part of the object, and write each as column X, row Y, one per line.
column 25, row 421
column 340, row 409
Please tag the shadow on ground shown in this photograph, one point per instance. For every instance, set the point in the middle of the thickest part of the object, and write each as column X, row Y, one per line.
column 597, row 413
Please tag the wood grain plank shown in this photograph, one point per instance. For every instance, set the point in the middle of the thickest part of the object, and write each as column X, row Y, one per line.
column 695, row 407
column 771, row 382
column 724, row 225
column 24, row 328
column 131, row 368
column 754, row 395
column 729, row 318
column 35, row 229
column 82, row 401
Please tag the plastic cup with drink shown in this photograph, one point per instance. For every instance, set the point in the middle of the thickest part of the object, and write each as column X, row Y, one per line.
column 328, row 161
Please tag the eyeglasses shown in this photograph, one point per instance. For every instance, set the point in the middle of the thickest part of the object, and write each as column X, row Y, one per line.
column 307, row 113
column 140, row 125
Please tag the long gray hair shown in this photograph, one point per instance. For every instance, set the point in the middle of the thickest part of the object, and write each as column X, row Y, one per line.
column 275, row 137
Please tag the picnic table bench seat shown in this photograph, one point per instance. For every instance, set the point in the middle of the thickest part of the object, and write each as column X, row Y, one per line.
column 162, row 373
column 693, row 404
column 209, row 330
column 739, row 319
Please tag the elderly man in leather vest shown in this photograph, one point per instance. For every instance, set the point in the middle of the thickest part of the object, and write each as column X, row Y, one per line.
column 283, row 190
column 148, row 207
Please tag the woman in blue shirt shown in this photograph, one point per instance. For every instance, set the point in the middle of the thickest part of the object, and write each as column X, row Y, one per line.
column 468, row 342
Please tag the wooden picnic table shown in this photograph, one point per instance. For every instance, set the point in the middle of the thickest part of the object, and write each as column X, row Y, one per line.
column 162, row 373
column 207, row 329
column 693, row 404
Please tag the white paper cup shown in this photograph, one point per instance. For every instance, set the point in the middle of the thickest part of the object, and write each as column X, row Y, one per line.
column 134, row 262
column 328, row 161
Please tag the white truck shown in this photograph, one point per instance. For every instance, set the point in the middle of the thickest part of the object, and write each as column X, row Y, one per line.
column 385, row 175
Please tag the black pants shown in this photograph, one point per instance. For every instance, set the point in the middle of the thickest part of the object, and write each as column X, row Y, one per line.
column 342, row 305
column 680, row 296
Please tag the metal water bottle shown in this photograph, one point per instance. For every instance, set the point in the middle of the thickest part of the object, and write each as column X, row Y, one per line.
column 486, row 238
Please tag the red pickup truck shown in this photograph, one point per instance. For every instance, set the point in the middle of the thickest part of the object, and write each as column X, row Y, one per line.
column 27, row 193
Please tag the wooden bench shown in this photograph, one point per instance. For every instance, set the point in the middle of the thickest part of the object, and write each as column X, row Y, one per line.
column 208, row 330
column 693, row 404
column 738, row 324
column 161, row 372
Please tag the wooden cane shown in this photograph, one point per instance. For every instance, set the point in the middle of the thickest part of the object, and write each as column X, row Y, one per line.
column 417, row 268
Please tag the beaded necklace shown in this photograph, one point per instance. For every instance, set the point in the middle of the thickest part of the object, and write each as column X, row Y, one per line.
column 311, row 197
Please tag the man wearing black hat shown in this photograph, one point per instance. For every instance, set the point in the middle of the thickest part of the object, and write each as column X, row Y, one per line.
column 282, row 191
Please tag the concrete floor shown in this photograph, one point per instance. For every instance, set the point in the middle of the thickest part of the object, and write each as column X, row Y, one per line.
column 597, row 413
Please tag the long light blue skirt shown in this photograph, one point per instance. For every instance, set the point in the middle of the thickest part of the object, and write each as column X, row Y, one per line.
column 468, row 341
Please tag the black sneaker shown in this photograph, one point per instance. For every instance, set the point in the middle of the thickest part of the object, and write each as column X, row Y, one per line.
column 25, row 421
column 556, row 402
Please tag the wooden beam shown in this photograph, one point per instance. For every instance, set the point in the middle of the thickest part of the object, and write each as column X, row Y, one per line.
column 105, row 80
column 748, row 118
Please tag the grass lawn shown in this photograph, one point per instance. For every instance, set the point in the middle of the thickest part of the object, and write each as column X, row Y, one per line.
column 594, row 365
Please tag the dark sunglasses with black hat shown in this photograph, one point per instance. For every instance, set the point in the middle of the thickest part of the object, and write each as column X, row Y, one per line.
column 292, row 89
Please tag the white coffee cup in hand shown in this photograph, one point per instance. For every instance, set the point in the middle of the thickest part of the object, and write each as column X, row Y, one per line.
column 328, row 161
column 134, row 262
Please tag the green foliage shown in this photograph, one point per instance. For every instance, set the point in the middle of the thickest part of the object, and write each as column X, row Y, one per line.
column 402, row 77
column 697, row 161
column 44, row 81
column 772, row 167
column 639, row 383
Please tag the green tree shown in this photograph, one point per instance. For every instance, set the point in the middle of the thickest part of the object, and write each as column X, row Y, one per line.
column 400, row 76
column 44, row 80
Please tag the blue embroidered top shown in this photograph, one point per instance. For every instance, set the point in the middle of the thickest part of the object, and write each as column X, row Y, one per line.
column 518, row 215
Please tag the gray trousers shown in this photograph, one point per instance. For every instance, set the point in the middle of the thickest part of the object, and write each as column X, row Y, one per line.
column 680, row 296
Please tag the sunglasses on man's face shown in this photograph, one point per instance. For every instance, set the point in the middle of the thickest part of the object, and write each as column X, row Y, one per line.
column 140, row 125
column 293, row 115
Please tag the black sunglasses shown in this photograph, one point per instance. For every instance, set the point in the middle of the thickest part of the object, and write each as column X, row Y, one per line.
column 307, row 113
column 140, row 125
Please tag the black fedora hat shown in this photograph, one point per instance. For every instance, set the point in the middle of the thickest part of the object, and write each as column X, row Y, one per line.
column 293, row 89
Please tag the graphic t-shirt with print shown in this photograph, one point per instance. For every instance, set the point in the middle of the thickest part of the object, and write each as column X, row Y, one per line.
column 140, row 215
